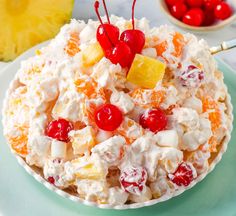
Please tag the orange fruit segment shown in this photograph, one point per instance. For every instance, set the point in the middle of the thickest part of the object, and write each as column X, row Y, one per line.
column 87, row 87
column 146, row 72
column 19, row 143
column 161, row 48
column 92, row 54
column 178, row 42
column 148, row 98
column 211, row 106
column 72, row 47
column 130, row 130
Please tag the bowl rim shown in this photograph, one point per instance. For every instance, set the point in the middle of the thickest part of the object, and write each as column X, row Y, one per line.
column 219, row 25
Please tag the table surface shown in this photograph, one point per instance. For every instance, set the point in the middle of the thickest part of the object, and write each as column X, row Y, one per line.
column 150, row 9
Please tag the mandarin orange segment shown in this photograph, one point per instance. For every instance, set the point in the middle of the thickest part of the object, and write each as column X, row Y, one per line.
column 19, row 143
column 213, row 144
column 130, row 130
column 161, row 48
column 178, row 42
column 146, row 98
column 72, row 47
column 87, row 87
column 211, row 106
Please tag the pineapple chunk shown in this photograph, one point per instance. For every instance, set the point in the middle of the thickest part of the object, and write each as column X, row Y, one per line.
column 92, row 54
column 82, row 140
column 87, row 168
column 25, row 23
column 145, row 71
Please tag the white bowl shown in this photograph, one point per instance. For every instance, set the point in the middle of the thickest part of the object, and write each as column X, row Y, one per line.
column 38, row 175
column 213, row 27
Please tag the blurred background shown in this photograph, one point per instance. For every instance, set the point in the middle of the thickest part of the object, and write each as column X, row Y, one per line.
column 83, row 9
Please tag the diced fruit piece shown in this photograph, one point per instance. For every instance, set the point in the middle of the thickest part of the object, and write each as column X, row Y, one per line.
column 108, row 117
column 183, row 176
column 86, row 169
column 44, row 18
column 194, row 17
column 82, row 140
column 148, row 98
column 92, row 54
column 161, row 48
column 59, row 129
column 51, row 180
column 19, row 142
column 146, row 72
column 72, row 47
column 87, row 87
column 191, row 77
column 223, row 11
column 133, row 179
column 214, row 115
column 155, row 120
column 178, row 42
column 130, row 129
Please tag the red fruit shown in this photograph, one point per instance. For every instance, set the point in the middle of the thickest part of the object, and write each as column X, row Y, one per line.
column 178, row 10
column 121, row 54
column 183, row 176
column 51, row 180
column 209, row 17
column 191, row 77
column 155, row 120
column 107, row 36
column 210, row 4
column 194, row 3
column 194, row 17
column 134, row 38
column 172, row 2
column 223, row 11
column 108, row 117
column 59, row 129
column 133, row 179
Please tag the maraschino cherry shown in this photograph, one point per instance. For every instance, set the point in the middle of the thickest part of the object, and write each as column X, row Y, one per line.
column 107, row 34
column 155, row 120
column 59, row 129
column 116, row 51
column 134, row 37
column 108, row 117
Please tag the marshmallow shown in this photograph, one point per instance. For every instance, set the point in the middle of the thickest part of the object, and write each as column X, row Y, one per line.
column 58, row 149
column 167, row 138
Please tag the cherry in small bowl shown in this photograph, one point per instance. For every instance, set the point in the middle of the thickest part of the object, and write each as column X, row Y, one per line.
column 213, row 19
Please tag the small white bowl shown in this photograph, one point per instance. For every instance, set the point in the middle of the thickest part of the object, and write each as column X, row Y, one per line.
column 213, row 27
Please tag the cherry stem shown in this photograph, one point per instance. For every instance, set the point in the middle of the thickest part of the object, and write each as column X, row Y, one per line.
column 105, row 8
column 96, row 7
column 133, row 6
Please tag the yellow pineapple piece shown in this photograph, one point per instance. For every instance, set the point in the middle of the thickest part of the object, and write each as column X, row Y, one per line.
column 82, row 140
column 88, row 169
column 25, row 23
column 146, row 72
column 92, row 54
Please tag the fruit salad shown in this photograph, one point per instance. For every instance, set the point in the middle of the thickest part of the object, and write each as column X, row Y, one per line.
column 117, row 111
